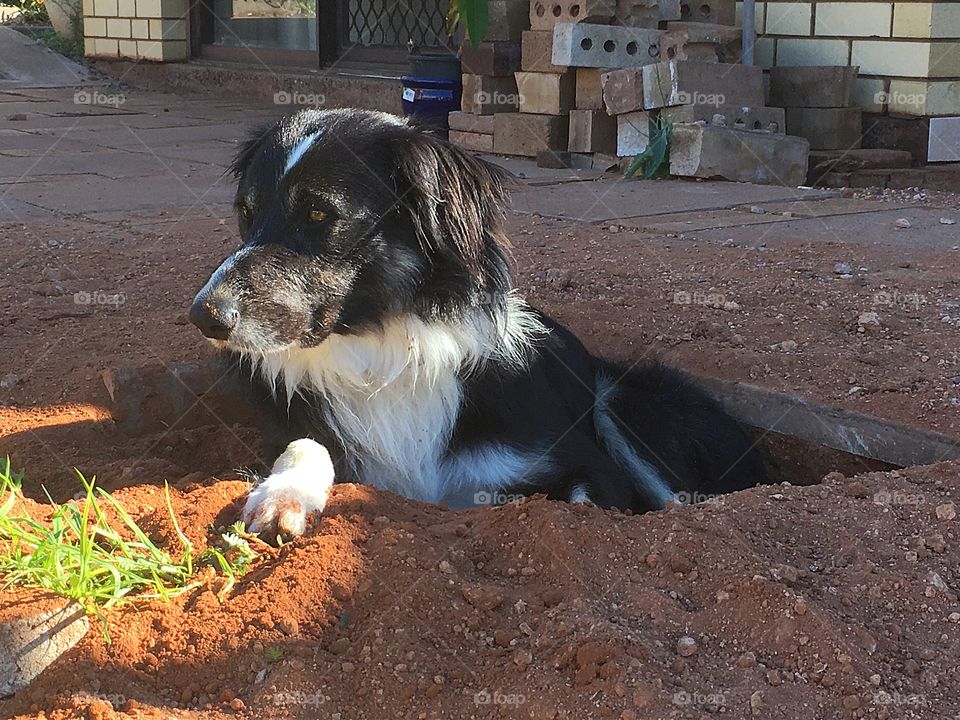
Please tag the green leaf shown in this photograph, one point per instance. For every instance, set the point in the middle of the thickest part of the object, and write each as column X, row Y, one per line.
column 474, row 14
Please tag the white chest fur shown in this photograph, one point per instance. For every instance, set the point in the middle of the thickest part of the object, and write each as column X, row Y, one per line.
column 393, row 396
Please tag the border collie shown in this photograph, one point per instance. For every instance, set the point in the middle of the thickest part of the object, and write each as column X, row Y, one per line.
column 370, row 304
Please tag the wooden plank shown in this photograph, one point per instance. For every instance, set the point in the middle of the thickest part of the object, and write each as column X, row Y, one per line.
column 846, row 430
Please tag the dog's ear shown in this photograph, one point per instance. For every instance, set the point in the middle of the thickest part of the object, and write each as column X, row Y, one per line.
column 455, row 201
column 249, row 148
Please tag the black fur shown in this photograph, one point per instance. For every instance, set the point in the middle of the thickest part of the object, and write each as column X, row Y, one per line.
column 413, row 227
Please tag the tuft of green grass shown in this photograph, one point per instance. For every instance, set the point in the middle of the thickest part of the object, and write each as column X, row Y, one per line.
column 80, row 553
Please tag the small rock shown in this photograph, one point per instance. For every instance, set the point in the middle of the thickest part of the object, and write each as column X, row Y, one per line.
column 788, row 345
column 946, row 511
column 842, row 268
column 747, row 660
column 686, row 646
column 947, row 221
column 756, row 702
column 445, row 567
column 613, row 229
column 869, row 319
column 757, row 210
column 9, row 381
column 722, row 596
column 902, row 223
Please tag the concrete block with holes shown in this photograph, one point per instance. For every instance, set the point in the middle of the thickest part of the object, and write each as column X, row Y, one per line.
column 506, row 20
column 740, row 117
column 827, row 128
column 547, row 93
column 826, row 86
column 622, row 90
column 638, row 13
column 592, row 131
column 468, row 122
column 536, row 52
column 486, row 95
column 604, row 46
column 490, row 58
column 708, row 151
column 692, row 83
column 527, row 135
column 633, row 133
column 589, row 89
column 670, row 10
column 544, row 14
column 706, row 42
column 477, row 142
column 719, row 12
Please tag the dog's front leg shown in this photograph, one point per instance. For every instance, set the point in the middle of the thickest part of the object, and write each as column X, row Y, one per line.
column 296, row 490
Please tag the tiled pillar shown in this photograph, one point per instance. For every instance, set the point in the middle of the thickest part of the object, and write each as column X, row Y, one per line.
column 137, row 29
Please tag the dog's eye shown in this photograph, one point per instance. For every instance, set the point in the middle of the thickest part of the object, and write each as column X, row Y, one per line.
column 317, row 215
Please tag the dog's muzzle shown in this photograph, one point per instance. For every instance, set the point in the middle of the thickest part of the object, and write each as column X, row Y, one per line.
column 216, row 317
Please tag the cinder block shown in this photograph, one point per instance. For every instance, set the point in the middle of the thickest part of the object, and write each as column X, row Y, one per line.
column 485, row 95
column 633, row 133
column 812, row 51
column 468, row 122
column 705, row 42
column 592, row 131
column 140, row 29
column 527, row 135
column 853, row 19
column 812, row 86
column 691, row 83
column 589, row 89
column 128, row 48
column 622, row 90
column 547, row 93
column 719, row 12
column 94, row 27
column 639, row 13
column 126, row 8
column 670, row 10
column 166, row 29
column 106, row 47
column 507, row 19
column 87, row 6
column 919, row 97
column 162, row 50
column 544, row 14
column 161, row 8
column 490, row 58
column 35, row 629
column 477, row 142
column 708, row 151
column 767, row 119
column 827, row 128
column 537, row 51
column 604, row 46
column 105, row 8
column 789, row 18
column 118, row 28
column 926, row 20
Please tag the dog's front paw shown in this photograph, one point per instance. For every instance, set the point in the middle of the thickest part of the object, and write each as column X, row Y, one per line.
column 294, row 494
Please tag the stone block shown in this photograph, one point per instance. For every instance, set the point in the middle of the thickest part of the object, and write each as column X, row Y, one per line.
column 622, row 90
column 544, row 14
column 507, row 19
column 827, row 128
column 638, row 13
column 718, row 12
column 693, row 83
column 95, row 27
column 633, row 133
column 486, row 95
column 851, row 19
column 468, row 122
column 589, row 95
column 904, row 133
column 803, row 86
column 36, row 628
column 477, row 142
column 537, row 52
column 707, row 151
column 527, row 135
column 670, row 10
column 563, row 159
column 547, row 93
column 738, row 117
column 944, row 141
column 498, row 59
column 592, row 131
column 604, row 46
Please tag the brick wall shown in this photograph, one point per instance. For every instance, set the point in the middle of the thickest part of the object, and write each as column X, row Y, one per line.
column 140, row 29
column 908, row 52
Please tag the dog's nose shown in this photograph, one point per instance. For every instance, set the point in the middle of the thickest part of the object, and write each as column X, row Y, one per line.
column 215, row 318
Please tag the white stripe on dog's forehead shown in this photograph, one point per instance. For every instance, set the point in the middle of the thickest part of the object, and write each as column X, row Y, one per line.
column 299, row 149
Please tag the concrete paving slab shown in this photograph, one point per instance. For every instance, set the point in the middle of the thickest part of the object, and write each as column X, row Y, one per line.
column 609, row 199
column 875, row 228
column 110, row 165
column 26, row 63
column 828, row 207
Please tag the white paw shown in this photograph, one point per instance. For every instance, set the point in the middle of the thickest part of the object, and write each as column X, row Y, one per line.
column 296, row 491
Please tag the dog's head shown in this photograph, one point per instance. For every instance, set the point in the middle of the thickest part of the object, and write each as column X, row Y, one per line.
column 349, row 218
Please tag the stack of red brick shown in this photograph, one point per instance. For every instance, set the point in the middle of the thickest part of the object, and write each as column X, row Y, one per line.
column 595, row 75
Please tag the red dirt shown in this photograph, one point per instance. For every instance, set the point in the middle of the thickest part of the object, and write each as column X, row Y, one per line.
column 836, row 600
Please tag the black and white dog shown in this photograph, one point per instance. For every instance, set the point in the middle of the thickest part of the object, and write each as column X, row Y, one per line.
column 371, row 303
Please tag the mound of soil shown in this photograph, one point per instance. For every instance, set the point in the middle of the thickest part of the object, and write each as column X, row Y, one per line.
column 834, row 600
